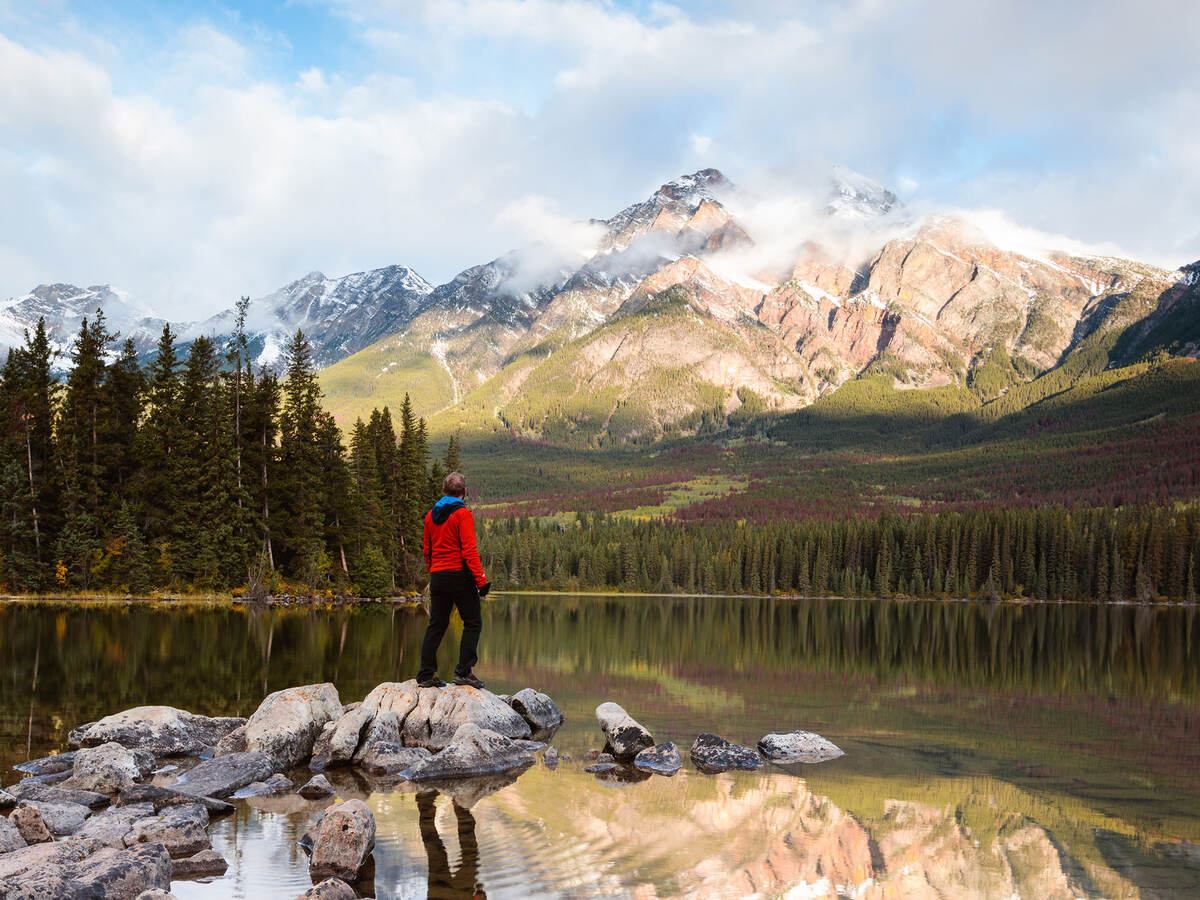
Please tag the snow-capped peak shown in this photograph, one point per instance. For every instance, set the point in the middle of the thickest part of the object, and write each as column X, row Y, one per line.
column 855, row 196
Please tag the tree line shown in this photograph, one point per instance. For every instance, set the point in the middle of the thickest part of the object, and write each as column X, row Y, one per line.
column 1050, row 553
column 198, row 472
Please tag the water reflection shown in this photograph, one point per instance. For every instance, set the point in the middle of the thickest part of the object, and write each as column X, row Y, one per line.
column 448, row 882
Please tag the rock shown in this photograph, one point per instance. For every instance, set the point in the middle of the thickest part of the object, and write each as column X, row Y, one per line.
column 287, row 722
column 531, row 746
column 550, row 757
column 711, row 754
column 322, row 750
column 37, row 856
column 47, row 765
column 10, row 836
column 33, row 790
column 472, row 751
column 7, row 800
column 798, row 746
column 383, row 729
column 234, row 742
column 384, row 758
column 597, row 768
column 181, row 829
column 276, row 784
column 604, row 758
column 316, row 788
column 537, row 709
column 199, row 865
column 343, row 840
column 593, row 754
column 626, row 738
column 30, row 824
column 156, row 894
column 123, row 874
column 105, row 769
column 108, row 828
column 222, row 775
column 159, row 797
column 663, row 759
column 160, row 730
column 61, row 818
column 329, row 889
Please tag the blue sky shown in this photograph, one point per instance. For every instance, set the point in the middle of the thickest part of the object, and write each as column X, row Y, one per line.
column 189, row 152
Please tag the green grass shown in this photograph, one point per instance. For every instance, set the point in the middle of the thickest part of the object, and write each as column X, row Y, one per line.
column 381, row 375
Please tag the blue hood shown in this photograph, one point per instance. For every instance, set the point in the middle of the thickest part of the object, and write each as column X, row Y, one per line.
column 445, row 506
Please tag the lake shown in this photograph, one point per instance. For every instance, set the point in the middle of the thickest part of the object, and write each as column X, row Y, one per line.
column 992, row 750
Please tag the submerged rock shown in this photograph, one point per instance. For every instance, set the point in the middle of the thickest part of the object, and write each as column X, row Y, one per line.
column 286, row 724
column 600, row 767
column 472, row 751
column 537, row 709
column 316, row 788
column 222, row 775
column 385, row 758
column 160, row 730
column 662, row 759
column 343, row 840
column 329, row 889
column 798, row 746
column 626, row 738
column 550, row 757
column 108, row 768
column 712, row 754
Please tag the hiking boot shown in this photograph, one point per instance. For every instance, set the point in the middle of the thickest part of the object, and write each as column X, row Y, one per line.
column 432, row 681
column 469, row 680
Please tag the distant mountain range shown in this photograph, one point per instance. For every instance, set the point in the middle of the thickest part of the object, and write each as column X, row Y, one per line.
column 679, row 318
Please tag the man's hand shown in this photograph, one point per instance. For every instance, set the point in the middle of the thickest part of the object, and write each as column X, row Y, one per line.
column 484, row 588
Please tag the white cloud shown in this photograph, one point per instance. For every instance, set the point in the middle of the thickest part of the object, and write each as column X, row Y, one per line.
column 701, row 144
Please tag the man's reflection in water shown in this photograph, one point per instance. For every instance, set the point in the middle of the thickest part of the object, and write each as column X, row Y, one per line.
column 444, row 884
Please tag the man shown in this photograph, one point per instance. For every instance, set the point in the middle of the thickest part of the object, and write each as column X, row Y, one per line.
column 456, row 579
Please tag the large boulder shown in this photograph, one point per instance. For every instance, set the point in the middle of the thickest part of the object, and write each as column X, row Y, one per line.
column 626, row 737
column 287, row 722
column 183, row 830
column 161, row 730
column 343, row 840
column 711, row 754
column 663, row 759
column 106, row 769
column 537, row 709
column 472, row 751
column 383, row 758
column 798, row 747
column 383, row 729
column 222, row 775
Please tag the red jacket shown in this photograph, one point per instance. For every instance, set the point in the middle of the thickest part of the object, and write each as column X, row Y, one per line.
column 450, row 542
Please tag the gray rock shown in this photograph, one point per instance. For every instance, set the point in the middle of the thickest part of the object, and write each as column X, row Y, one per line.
column 10, row 836
column 156, row 894
column 181, row 829
column 440, row 712
column 711, row 754
column 47, row 765
column 108, row 828
column 537, row 709
column 123, row 874
column 160, row 730
column 222, row 775
column 200, row 865
column 7, row 800
column 322, row 748
column 37, row 856
column 343, row 840
column 550, row 757
column 30, row 824
column 329, row 889
column 105, row 769
column 234, row 742
column 663, row 759
column 276, row 784
column 61, row 818
column 531, row 746
column 383, row 729
column 798, row 747
column 600, row 767
column 626, row 738
column 287, row 722
column 316, row 788
column 384, row 758
column 345, row 737
column 160, row 797
column 33, row 790
column 472, row 751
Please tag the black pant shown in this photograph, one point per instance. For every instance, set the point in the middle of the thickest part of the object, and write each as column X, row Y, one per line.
column 446, row 591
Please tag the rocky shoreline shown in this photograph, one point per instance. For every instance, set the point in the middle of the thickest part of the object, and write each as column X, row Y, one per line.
column 128, row 808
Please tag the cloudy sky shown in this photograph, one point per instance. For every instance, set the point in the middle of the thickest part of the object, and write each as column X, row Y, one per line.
column 189, row 152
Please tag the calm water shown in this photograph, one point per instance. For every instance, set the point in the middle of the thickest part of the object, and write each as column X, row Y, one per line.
column 991, row 750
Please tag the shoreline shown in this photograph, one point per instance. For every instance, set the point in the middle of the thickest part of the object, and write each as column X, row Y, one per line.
column 294, row 601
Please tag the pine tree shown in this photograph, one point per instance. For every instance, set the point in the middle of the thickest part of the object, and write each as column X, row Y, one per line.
column 452, row 461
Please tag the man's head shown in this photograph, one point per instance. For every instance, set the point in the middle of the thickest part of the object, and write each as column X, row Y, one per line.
column 454, row 485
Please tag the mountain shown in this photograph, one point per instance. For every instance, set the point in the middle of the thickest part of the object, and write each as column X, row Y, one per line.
column 674, row 325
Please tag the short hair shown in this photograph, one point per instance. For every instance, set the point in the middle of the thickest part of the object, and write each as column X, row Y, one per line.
column 454, row 485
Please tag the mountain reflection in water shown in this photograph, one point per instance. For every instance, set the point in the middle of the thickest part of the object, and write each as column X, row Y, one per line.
column 991, row 750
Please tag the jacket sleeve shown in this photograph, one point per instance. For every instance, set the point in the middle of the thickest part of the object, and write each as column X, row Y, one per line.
column 470, row 551
column 427, row 544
